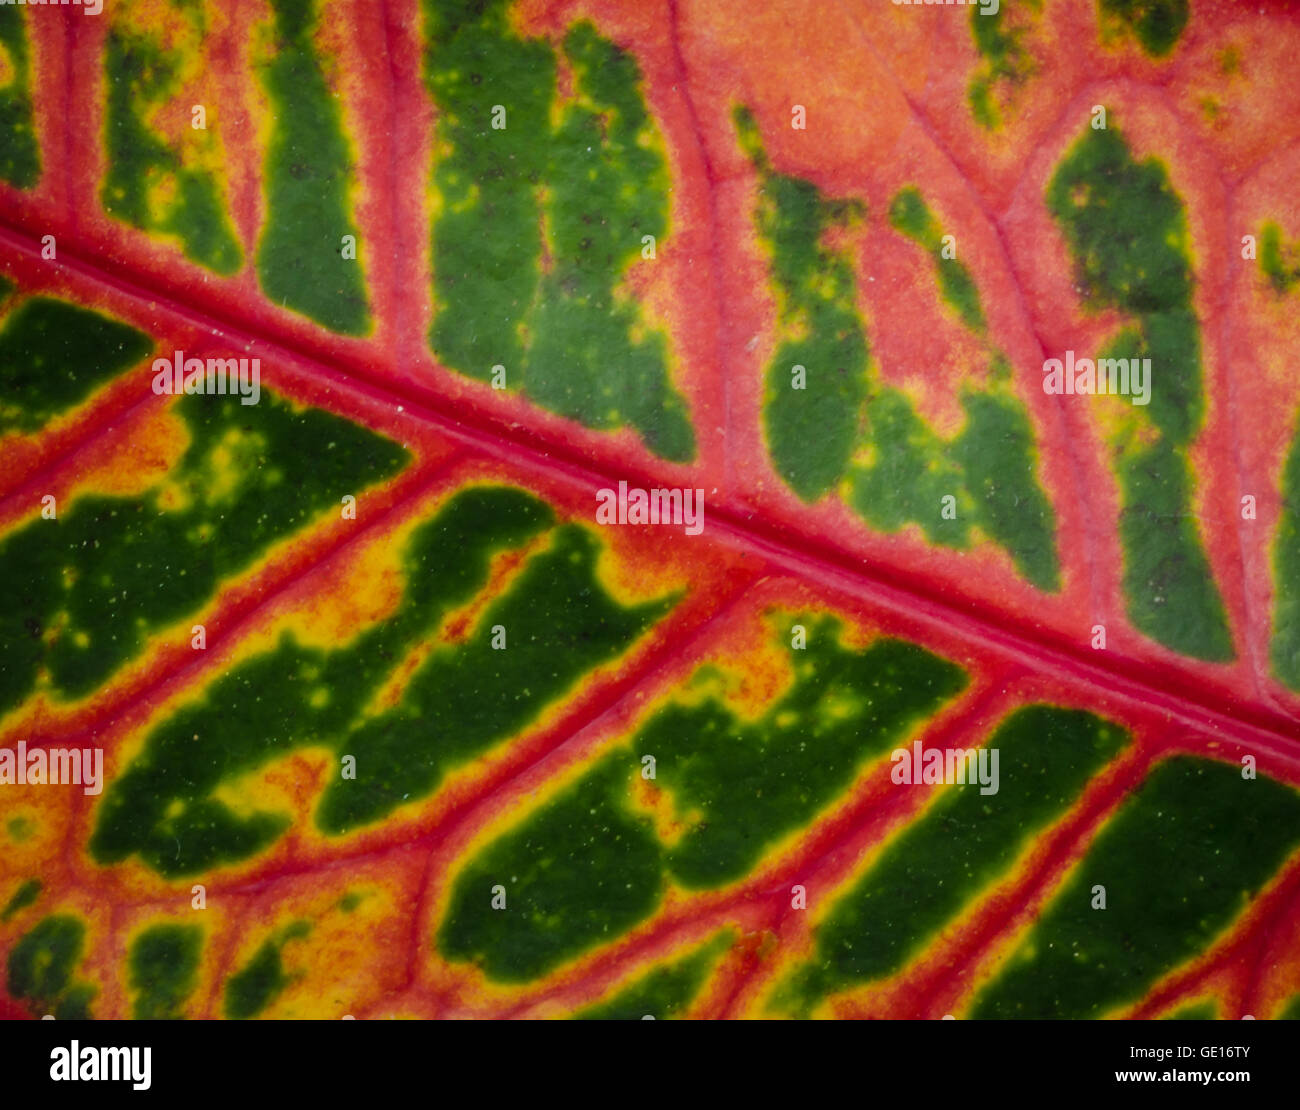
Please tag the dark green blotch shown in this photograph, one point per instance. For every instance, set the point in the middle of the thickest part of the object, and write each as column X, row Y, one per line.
column 960, row 845
column 1127, row 232
column 1197, row 1011
column 308, row 173
column 588, row 184
column 910, row 476
column 261, row 981
column 909, row 214
column 587, row 866
column 844, row 708
column 1167, row 577
column 1006, row 60
column 75, row 1003
column 459, row 703
column 1284, row 649
column 1156, row 23
column 1180, row 861
column 486, row 242
column 810, row 431
column 579, row 871
column 27, row 893
column 996, row 453
column 982, row 105
column 20, row 159
column 53, row 355
column 119, row 568
column 989, row 469
column 139, row 74
column 164, row 965
column 1279, row 260
column 663, row 993
column 20, row 828
column 41, row 965
column 1291, row 1011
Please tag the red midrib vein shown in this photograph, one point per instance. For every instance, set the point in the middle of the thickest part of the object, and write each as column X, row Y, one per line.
column 1184, row 696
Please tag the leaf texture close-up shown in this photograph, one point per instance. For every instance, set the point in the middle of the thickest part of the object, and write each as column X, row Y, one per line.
column 649, row 508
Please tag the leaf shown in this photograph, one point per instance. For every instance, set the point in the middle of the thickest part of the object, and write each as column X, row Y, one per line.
column 346, row 351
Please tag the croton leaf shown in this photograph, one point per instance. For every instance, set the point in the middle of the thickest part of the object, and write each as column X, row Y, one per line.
column 623, row 508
